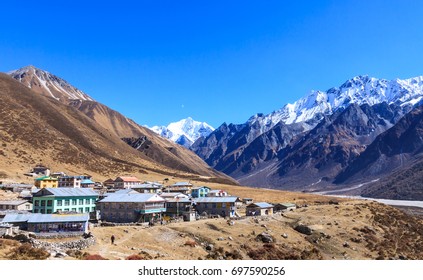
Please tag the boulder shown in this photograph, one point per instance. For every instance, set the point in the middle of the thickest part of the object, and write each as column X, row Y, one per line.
column 304, row 229
column 265, row 237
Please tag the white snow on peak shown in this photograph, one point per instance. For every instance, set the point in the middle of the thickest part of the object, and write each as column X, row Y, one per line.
column 185, row 131
column 51, row 83
column 359, row 90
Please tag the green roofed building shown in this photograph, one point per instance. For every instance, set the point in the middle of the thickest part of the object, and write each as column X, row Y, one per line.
column 59, row 200
column 46, row 182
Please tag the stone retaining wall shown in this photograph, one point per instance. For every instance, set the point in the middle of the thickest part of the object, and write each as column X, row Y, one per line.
column 63, row 246
column 109, row 224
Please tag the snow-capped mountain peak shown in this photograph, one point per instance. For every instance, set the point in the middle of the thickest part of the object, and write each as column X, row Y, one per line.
column 184, row 132
column 359, row 90
column 48, row 84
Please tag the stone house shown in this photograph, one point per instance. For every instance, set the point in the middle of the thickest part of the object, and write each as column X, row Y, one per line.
column 147, row 188
column 131, row 207
column 19, row 205
column 225, row 206
column 284, row 207
column 259, row 209
column 182, row 187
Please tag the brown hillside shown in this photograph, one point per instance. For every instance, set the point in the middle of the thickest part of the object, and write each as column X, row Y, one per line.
column 158, row 149
column 155, row 148
column 34, row 129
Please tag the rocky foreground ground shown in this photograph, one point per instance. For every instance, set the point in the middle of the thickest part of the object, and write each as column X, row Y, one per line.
column 325, row 230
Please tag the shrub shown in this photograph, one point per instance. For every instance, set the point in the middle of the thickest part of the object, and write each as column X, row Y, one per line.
column 4, row 243
column 27, row 252
column 77, row 254
column 191, row 243
column 94, row 257
column 135, row 257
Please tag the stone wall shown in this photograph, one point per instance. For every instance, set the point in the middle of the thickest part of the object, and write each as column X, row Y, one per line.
column 63, row 246
column 111, row 224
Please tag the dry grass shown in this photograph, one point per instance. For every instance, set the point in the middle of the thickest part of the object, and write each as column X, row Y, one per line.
column 350, row 230
column 27, row 252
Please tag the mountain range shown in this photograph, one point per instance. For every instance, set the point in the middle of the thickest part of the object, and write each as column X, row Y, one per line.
column 320, row 142
column 363, row 138
column 45, row 119
column 184, row 132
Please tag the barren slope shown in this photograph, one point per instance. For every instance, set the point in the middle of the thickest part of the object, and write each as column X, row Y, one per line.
column 34, row 129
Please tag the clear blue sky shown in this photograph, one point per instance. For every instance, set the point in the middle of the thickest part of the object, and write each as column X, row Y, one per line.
column 216, row 61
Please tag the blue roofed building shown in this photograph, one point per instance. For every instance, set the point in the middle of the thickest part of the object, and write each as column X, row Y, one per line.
column 131, row 207
column 182, row 187
column 59, row 200
column 259, row 209
column 49, row 223
column 225, row 206
column 147, row 188
column 87, row 183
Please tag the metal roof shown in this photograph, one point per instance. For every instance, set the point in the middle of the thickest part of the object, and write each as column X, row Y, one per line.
column 87, row 181
column 261, row 205
column 46, row 178
column 203, row 187
column 73, row 177
column 127, row 179
column 216, row 199
column 57, row 218
column 179, row 184
column 172, row 194
column 12, row 202
column 287, row 204
column 179, row 200
column 45, row 218
column 132, row 197
column 66, row 192
column 122, row 191
column 145, row 186
column 16, row 218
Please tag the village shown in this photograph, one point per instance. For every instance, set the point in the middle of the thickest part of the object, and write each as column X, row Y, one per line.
column 75, row 217
column 62, row 204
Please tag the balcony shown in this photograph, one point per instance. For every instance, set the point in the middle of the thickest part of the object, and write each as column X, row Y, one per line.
column 150, row 209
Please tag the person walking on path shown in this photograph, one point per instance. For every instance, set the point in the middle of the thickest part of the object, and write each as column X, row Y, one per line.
column 112, row 239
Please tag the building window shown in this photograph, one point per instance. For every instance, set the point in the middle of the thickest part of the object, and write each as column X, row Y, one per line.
column 73, row 201
column 59, row 203
column 49, row 202
column 37, row 203
column 74, row 209
column 87, row 209
column 81, row 210
column 87, row 201
column 43, row 203
column 81, row 201
column 66, row 202
column 48, row 211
